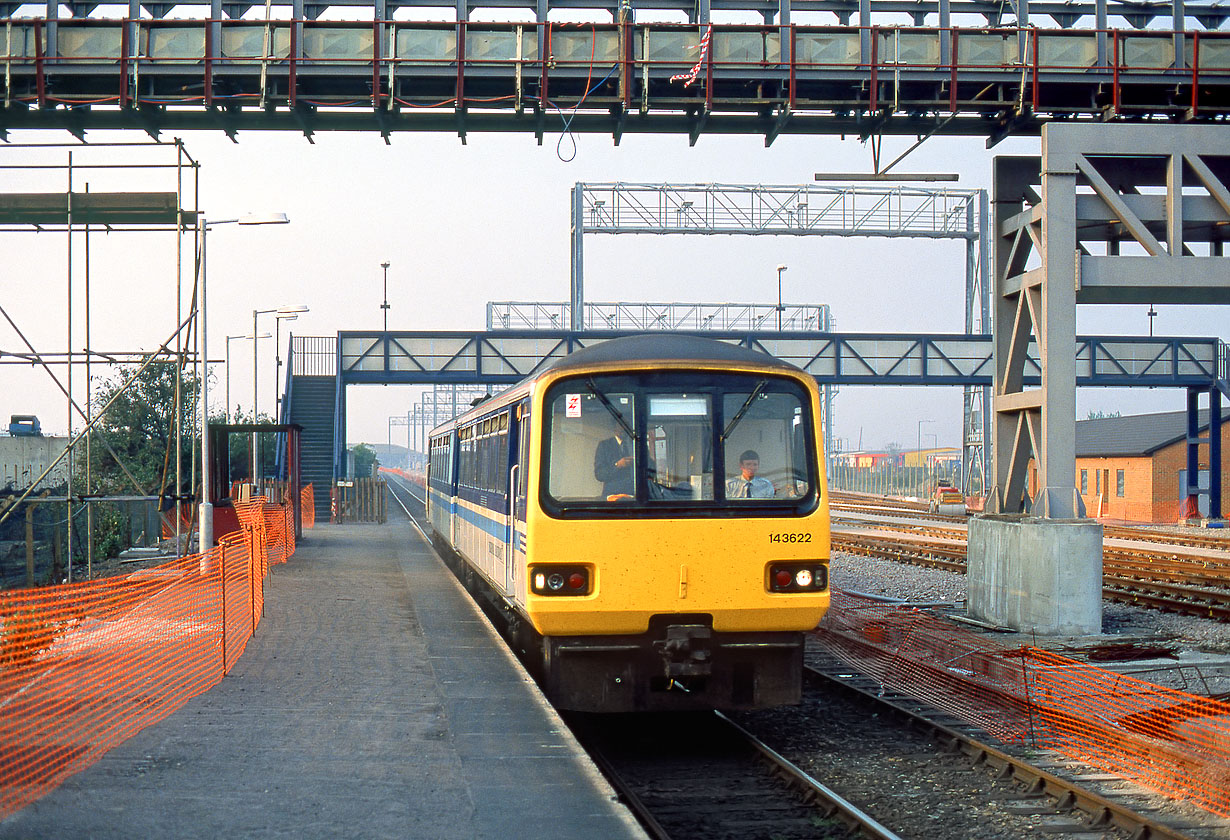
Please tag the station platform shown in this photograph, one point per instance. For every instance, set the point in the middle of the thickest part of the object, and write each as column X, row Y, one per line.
column 374, row 701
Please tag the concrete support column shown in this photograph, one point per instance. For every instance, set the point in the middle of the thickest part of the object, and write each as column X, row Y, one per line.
column 1035, row 575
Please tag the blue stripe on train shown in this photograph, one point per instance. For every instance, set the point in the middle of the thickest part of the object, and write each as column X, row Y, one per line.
column 495, row 527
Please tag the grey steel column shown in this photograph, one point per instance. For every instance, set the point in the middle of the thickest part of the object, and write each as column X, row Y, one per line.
column 864, row 31
column 1177, row 14
column 577, row 262
column 1100, row 23
column 945, row 36
column 1057, row 495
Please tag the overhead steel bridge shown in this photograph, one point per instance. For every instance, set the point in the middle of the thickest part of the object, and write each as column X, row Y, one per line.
column 861, row 67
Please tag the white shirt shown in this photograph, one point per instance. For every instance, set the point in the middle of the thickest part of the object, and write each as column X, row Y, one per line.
column 755, row 488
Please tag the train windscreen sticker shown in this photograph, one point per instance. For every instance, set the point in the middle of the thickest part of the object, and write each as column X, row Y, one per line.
column 572, row 407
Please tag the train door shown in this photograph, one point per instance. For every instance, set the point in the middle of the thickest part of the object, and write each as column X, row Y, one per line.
column 519, row 443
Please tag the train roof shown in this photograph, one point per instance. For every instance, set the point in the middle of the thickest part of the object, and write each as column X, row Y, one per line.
column 647, row 347
column 665, row 347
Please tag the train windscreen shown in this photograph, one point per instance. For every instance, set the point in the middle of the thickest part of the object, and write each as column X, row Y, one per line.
column 678, row 440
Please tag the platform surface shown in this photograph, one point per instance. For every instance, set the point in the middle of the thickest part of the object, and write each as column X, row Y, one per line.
column 374, row 701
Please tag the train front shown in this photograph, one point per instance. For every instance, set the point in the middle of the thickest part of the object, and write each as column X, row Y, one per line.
column 677, row 534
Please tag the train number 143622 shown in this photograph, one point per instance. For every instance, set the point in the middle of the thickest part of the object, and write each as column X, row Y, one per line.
column 789, row 538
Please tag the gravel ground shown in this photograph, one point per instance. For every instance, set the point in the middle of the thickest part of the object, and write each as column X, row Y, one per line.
column 1201, row 645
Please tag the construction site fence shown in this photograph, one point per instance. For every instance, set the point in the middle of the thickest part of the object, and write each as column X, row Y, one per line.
column 1171, row 741
column 307, row 506
column 360, row 500
column 85, row 666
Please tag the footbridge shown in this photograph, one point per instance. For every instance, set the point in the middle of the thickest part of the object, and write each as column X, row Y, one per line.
column 321, row 367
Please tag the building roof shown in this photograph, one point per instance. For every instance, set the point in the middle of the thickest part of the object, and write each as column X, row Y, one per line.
column 1135, row 434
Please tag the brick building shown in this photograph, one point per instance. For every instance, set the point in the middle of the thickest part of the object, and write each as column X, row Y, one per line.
column 1134, row 468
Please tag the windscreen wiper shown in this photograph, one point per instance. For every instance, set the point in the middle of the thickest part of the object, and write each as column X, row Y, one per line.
column 734, row 421
column 619, row 418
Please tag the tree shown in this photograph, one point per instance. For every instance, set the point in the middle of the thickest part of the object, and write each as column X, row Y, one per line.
column 139, row 428
column 364, row 460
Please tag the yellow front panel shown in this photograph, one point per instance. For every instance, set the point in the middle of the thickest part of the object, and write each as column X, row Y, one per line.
column 645, row 567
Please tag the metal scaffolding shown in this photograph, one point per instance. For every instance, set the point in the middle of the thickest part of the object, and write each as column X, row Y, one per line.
column 91, row 192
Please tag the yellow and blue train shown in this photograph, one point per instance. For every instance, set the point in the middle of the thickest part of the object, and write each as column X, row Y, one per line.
column 650, row 515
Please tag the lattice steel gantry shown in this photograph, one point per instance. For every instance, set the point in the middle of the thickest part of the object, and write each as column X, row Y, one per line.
column 788, row 210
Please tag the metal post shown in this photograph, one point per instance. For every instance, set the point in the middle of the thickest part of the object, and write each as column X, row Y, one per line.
column 205, row 540
column 255, row 404
column 385, row 305
column 1215, row 454
column 577, row 316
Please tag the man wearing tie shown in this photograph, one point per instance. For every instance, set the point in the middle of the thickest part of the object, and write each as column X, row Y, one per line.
column 613, row 466
column 748, row 485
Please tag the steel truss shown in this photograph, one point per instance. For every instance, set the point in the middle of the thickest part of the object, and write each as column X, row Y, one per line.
column 959, row 67
column 1113, row 214
column 806, row 210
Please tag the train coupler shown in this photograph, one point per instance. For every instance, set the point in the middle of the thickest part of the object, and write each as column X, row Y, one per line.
column 686, row 650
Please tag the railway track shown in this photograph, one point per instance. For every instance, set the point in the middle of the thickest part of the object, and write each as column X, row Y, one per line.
column 1097, row 803
column 703, row 776
column 1192, row 580
column 887, row 766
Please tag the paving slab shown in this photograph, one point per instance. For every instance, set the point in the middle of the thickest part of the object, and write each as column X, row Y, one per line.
column 374, row 701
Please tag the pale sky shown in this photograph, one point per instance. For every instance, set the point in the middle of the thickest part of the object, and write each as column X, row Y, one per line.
column 462, row 225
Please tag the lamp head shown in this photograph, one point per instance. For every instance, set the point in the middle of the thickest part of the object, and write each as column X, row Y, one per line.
column 264, row 219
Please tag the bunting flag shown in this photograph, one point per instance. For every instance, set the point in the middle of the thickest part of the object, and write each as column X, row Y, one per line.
column 689, row 77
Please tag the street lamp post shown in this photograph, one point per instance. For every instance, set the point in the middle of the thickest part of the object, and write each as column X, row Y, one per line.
column 256, row 313
column 205, row 518
column 780, row 269
column 229, row 339
column 385, row 305
column 277, row 370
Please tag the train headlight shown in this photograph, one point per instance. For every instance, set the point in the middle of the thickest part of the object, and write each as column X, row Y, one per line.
column 810, row 576
column 560, row 580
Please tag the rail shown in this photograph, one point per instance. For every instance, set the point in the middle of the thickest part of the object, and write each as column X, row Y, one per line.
column 85, row 666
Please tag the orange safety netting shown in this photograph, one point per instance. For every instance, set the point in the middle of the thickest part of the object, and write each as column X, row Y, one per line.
column 1174, row 742
column 307, row 507
column 85, row 666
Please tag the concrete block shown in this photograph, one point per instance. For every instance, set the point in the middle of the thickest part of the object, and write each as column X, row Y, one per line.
column 1036, row 575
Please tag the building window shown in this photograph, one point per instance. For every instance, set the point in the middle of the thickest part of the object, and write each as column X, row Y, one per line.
column 1084, row 481
column 1119, row 483
column 1097, row 481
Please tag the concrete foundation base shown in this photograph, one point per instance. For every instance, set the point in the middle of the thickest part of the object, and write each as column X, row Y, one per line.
column 1036, row 575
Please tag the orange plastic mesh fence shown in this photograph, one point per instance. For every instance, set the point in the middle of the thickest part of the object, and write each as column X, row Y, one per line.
column 84, row 666
column 1171, row 741
column 307, row 506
